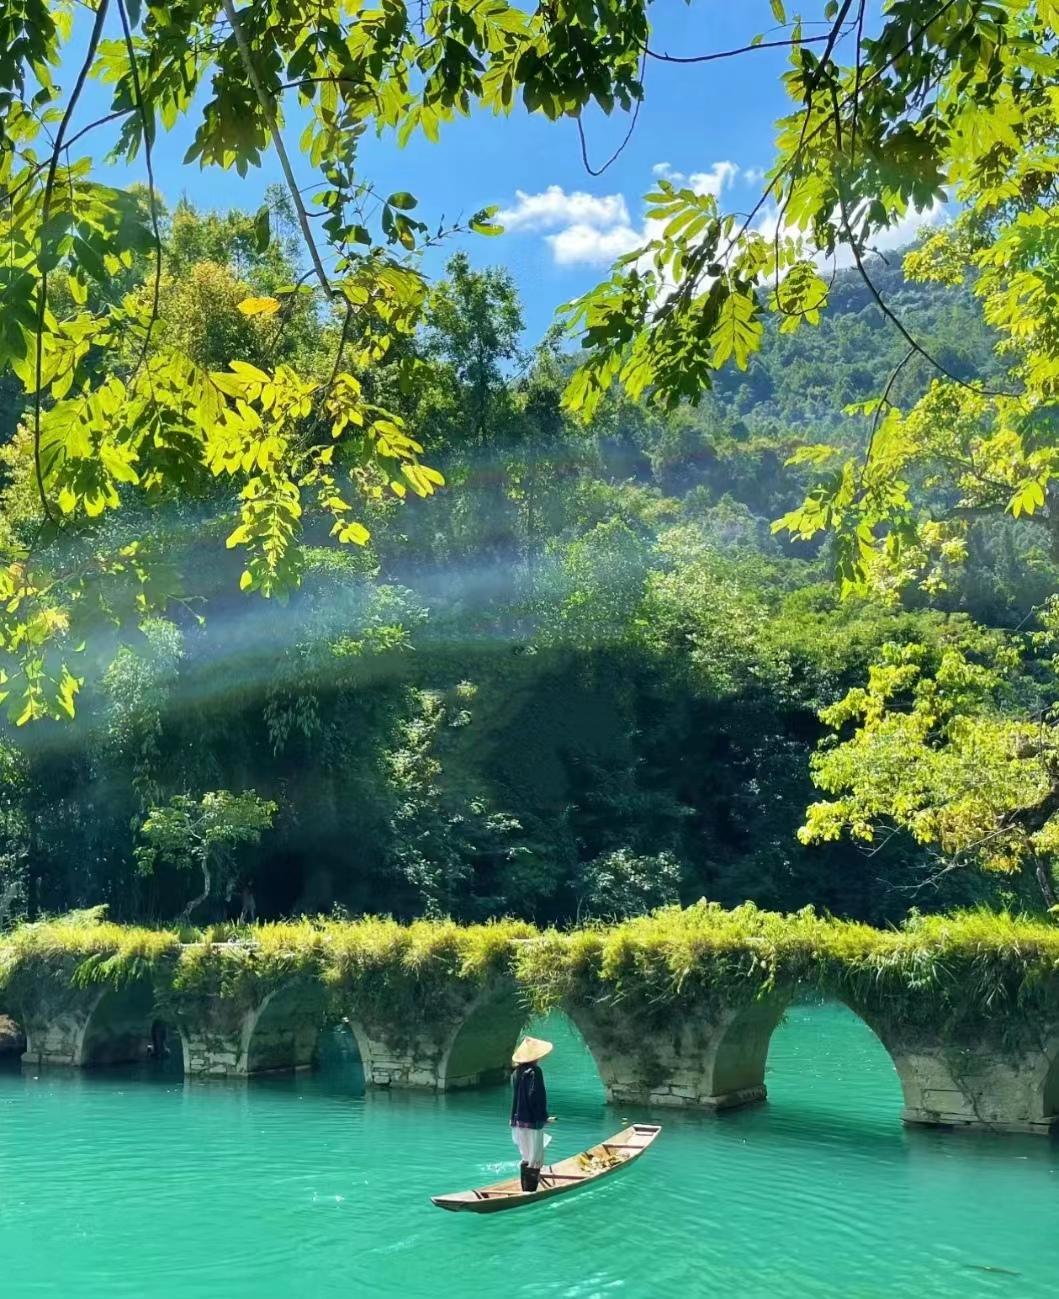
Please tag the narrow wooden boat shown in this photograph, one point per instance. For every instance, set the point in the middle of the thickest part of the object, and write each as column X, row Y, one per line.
column 557, row 1179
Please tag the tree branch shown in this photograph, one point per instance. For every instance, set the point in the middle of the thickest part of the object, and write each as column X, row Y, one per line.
column 148, row 142
column 731, row 54
column 45, row 214
column 898, row 323
column 269, row 112
column 807, row 136
column 832, row 39
column 628, row 134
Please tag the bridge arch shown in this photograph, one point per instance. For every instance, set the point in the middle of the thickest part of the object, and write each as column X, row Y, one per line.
column 936, row 1075
column 960, row 1077
column 736, row 1057
column 705, row 1057
column 124, row 1025
column 281, row 1033
column 708, row 1057
column 477, row 1052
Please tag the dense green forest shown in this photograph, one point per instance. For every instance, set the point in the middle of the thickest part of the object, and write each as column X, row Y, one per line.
column 583, row 679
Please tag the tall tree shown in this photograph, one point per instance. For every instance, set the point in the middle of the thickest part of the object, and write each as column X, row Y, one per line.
column 201, row 834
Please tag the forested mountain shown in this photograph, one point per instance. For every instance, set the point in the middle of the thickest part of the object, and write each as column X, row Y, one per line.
column 804, row 379
column 582, row 679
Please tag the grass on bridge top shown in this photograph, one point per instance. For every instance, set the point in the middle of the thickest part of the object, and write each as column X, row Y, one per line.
column 969, row 961
column 956, row 966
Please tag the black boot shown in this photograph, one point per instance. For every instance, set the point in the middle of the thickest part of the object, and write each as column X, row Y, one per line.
column 523, row 1171
column 533, row 1177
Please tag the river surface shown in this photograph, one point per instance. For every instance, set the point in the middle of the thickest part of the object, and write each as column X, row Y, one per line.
column 128, row 1183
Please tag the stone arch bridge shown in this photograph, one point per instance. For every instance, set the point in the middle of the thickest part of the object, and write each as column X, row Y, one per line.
column 1001, row 1076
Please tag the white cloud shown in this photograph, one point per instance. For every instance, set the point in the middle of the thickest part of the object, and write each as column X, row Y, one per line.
column 714, row 181
column 584, row 229
column 753, row 175
column 585, row 245
column 554, row 208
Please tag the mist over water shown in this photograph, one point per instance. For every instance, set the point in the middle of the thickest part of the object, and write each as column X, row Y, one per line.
column 123, row 1183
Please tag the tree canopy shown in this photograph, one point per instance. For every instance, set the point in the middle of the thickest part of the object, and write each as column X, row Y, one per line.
column 257, row 402
column 938, row 94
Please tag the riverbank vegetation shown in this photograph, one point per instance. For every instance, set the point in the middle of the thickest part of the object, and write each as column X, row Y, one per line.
column 584, row 680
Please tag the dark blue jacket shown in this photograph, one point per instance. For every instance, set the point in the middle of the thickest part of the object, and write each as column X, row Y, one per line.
column 529, row 1101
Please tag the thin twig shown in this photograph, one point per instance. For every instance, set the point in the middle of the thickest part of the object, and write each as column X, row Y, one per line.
column 342, row 341
column 285, row 316
column 899, row 324
column 269, row 112
column 592, row 171
column 35, row 171
column 884, row 400
column 148, row 139
column 856, row 85
column 45, row 214
column 832, row 40
column 854, row 245
column 731, row 54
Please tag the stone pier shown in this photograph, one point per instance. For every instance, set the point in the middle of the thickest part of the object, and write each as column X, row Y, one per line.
column 463, row 1036
column 1003, row 1078
column 703, row 1059
column 464, row 1040
column 85, row 1027
column 275, row 1034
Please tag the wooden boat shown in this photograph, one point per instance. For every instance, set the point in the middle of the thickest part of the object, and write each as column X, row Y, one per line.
column 557, row 1179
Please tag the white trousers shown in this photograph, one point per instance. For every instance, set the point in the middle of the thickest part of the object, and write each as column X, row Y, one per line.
column 530, row 1142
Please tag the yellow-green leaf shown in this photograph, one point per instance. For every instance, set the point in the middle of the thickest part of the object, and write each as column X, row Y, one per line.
column 259, row 306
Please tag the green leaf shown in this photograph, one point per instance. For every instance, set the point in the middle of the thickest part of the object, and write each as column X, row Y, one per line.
column 90, row 260
column 262, row 228
column 778, row 11
column 403, row 200
column 1027, row 499
column 737, row 332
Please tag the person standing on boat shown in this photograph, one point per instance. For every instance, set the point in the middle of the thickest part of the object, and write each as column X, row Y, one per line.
column 529, row 1108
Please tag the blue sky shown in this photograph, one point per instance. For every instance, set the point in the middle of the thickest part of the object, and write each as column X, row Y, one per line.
column 712, row 123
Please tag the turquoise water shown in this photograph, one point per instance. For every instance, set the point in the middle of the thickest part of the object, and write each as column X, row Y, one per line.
column 122, row 1183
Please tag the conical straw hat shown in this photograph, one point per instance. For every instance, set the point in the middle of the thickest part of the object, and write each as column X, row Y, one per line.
column 530, row 1048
